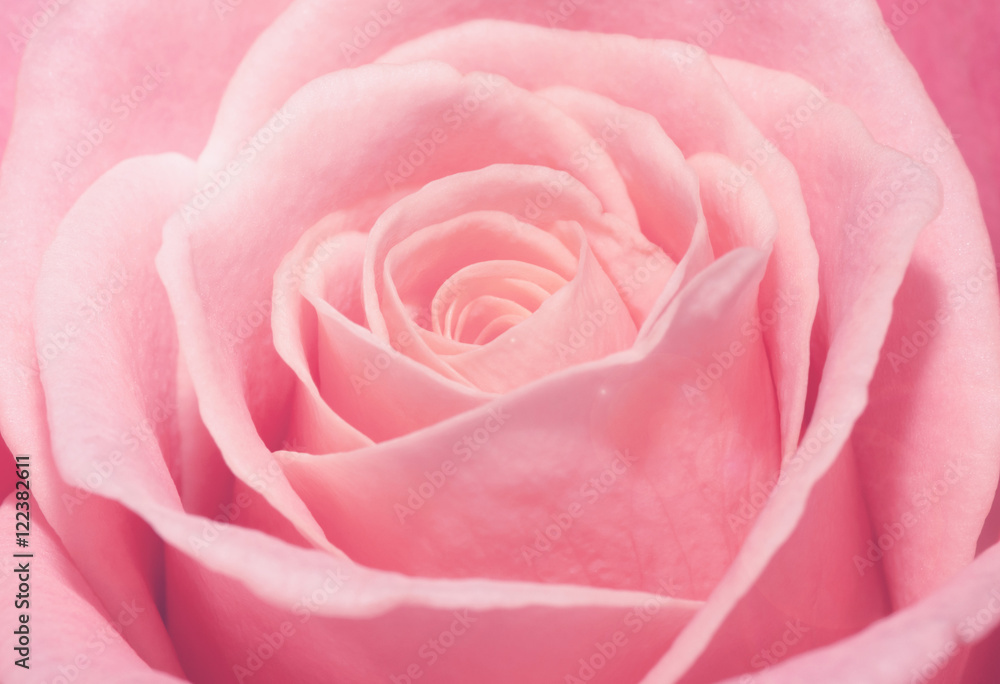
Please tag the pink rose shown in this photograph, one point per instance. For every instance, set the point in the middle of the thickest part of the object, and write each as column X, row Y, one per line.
column 406, row 341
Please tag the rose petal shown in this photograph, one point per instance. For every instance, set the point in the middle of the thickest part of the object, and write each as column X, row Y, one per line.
column 924, row 642
column 834, row 156
column 695, row 108
column 377, row 388
column 7, row 470
column 271, row 208
column 898, row 476
column 86, row 56
column 470, row 496
column 569, row 221
column 314, row 425
column 903, row 432
column 316, row 319
column 662, row 188
column 418, row 263
column 660, row 185
column 77, row 300
column 737, row 216
column 66, row 632
column 20, row 14
column 256, row 579
column 953, row 49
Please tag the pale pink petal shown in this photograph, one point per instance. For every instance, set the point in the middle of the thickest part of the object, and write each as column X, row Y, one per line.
column 905, row 431
column 7, row 476
column 77, row 298
column 925, row 642
column 69, row 637
column 89, row 54
column 584, row 321
column 797, row 534
column 345, row 373
column 949, row 489
column 303, row 617
column 379, row 390
column 518, row 286
column 954, row 49
column 329, row 245
column 737, row 210
column 480, row 236
column 21, row 27
column 662, row 188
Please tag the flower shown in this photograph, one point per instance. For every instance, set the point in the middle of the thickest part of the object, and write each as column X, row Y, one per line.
column 404, row 341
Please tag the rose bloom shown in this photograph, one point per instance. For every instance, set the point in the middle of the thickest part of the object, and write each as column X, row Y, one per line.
column 567, row 341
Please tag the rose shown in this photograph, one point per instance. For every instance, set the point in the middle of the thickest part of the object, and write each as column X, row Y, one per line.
column 553, row 470
column 232, row 510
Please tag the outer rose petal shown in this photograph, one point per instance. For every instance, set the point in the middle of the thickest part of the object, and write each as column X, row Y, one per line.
column 203, row 255
column 87, row 55
column 76, row 298
column 114, row 537
column 903, row 431
column 955, row 50
column 67, row 632
column 12, row 10
column 275, row 208
column 898, row 487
